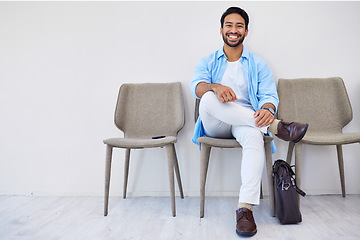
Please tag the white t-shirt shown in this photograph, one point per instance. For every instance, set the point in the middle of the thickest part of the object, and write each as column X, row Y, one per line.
column 235, row 79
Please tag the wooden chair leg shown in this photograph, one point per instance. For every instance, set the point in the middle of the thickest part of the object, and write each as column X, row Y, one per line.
column 170, row 154
column 109, row 150
column 204, row 164
column 268, row 158
column 126, row 171
column 290, row 152
column 298, row 158
column 177, row 173
column 341, row 168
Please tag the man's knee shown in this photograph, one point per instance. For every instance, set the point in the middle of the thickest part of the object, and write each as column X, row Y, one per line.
column 208, row 97
column 207, row 101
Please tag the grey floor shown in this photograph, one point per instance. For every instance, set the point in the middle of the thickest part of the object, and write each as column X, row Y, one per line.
column 38, row 218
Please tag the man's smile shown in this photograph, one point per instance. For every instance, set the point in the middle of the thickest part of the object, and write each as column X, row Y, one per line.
column 233, row 36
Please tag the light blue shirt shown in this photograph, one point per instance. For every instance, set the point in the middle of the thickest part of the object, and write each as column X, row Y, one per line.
column 261, row 85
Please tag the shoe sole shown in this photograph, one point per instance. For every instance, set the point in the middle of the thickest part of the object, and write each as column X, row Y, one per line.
column 246, row 234
column 303, row 135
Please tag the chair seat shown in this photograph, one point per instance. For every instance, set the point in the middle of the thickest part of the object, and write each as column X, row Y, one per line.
column 331, row 138
column 225, row 143
column 140, row 142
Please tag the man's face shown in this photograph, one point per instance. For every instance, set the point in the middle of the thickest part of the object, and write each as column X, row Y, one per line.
column 233, row 30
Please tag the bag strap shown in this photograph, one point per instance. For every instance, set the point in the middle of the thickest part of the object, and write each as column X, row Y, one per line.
column 299, row 191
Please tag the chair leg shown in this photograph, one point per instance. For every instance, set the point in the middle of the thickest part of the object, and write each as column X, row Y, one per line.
column 126, row 171
column 290, row 152
column 341, row 168
column 269, row 175
column 298, row 152
column 170, row 153
column 204, row 164
column 109, row 150
column 177, row 172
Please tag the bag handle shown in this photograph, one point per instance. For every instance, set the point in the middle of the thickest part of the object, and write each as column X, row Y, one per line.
column 281, row 163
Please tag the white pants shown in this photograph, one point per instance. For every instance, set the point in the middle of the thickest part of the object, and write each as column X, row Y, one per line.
column 227, row 120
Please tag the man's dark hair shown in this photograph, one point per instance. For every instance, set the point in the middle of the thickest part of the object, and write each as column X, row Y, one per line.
column 237, row 10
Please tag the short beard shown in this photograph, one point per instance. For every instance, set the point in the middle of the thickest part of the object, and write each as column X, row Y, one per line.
column 241, row 40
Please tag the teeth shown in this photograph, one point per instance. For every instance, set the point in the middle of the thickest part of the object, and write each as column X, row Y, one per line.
column 232, row 36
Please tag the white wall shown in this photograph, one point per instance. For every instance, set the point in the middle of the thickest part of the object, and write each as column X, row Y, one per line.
column 61, row 64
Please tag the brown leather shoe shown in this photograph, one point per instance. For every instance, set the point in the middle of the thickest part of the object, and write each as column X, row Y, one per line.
column 245, row 223
column 293, row 131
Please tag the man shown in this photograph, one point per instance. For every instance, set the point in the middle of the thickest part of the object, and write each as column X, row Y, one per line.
column 239, row 100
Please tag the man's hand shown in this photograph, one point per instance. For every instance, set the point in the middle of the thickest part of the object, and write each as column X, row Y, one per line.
column 263, row 117
column 224, row 93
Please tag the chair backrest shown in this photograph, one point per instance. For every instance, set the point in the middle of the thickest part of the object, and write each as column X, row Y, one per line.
column 321, row 102
column 150, row 109
column 196, row 113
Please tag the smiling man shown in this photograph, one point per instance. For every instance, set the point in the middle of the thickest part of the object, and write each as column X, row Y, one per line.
column 238, row 100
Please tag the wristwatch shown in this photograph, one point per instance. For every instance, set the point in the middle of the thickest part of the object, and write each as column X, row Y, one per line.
column 270, row 109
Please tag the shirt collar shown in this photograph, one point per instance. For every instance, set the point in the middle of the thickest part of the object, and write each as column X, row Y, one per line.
column 245, row 53
column 221, row 53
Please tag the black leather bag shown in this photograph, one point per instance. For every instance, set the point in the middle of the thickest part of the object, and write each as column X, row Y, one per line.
column 286, row 193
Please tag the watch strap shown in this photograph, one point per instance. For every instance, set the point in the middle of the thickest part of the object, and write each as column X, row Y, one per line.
column 270, row 110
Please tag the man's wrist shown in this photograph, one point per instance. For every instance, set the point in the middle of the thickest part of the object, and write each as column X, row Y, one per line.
column 213, row 86
column 270, row 110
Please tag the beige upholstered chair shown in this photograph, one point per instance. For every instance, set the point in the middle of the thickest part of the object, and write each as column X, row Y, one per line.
column 208, row 142
column 325, row 105
column 144, row 111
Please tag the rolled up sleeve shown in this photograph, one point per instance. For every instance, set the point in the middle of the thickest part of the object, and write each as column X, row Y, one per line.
column 267, row 92
column 201, row 74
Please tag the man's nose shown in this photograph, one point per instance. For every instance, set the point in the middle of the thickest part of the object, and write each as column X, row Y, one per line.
column 233, row 29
